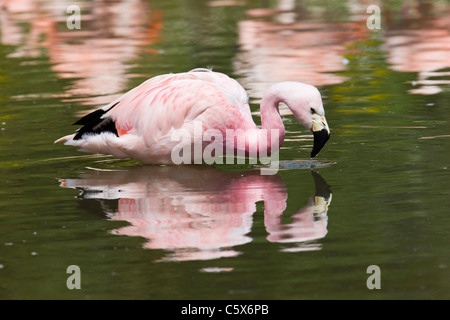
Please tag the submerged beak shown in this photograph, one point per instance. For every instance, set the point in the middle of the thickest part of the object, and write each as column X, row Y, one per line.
column 321, row 133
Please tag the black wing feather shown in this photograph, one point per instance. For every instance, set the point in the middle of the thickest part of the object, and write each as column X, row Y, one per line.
column 96, row 124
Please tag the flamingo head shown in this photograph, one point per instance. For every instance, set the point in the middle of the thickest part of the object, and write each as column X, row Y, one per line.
column 305, row 102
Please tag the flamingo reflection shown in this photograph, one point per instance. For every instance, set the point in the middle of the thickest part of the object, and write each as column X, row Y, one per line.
column 202, row 213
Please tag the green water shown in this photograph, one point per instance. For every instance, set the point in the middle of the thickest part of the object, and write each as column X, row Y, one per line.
column 226, row 232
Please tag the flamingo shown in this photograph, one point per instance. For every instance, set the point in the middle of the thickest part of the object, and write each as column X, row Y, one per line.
column 142, row 122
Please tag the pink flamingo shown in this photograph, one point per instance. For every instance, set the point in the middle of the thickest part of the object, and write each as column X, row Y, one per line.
column 141, row 123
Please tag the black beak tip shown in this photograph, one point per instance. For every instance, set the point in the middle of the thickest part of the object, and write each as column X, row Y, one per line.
column 320, row 138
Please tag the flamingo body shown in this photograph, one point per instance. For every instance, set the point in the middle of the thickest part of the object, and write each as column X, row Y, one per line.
column 141, row 123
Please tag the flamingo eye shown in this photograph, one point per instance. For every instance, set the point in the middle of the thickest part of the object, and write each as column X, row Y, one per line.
column 313, row 111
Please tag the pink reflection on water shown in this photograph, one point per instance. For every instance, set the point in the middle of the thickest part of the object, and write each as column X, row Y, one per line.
column 96, row 56
column 290, row 49
column 421, row 44
column 202, row 213
column 277, row 45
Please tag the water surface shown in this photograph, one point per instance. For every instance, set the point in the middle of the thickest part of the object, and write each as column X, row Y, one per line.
column 376, row 195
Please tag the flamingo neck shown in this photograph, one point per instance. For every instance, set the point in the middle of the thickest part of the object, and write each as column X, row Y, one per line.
column 270, row 117
column 267, row 140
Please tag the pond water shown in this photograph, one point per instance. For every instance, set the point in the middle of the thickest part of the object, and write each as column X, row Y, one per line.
column 377, row 194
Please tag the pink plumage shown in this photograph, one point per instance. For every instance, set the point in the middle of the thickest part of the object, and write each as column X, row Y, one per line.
column 142, row 123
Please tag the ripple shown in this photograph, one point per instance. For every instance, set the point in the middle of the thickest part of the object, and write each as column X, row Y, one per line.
column 304, row 164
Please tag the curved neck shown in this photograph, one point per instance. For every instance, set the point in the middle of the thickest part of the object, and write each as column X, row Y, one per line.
column 270, row 115
column 267, row 140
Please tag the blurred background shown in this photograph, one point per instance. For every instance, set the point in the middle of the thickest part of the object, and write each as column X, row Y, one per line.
column 376, row 195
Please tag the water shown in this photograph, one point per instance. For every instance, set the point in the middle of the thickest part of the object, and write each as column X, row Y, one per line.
column 377, row 194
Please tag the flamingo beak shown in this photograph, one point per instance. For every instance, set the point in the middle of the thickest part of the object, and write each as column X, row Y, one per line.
column 321, row 133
